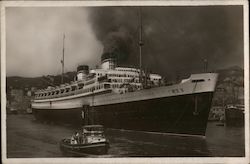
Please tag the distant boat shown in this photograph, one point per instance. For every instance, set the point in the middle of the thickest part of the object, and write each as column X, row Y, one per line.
column 234, row 115
column 13, row 111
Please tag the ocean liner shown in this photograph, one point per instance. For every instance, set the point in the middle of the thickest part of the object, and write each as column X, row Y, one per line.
column 116, row 98
column 130, row 99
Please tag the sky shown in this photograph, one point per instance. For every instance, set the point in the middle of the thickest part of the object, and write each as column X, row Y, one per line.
column 35, row 40
column 176, row 39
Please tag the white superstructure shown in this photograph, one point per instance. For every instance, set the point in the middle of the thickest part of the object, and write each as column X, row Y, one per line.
column 118, row 79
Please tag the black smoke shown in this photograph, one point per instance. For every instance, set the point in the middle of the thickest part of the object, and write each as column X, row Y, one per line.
column 118, row 44
column 117, row 29
column 176, row 39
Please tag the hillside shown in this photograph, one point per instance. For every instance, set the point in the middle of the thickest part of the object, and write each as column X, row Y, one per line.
column 233, row 74
column 230, row 86
column 38, row 82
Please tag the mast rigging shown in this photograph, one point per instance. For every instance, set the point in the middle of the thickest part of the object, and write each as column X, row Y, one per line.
column 140, row 45
column 62, row 61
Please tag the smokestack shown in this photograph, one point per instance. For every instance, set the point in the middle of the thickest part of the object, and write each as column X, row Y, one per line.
column 108, row 61
column 82, row 72
column 205, row 65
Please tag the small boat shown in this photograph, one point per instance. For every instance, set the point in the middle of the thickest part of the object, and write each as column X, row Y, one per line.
column 235, row 115
column 220, row 124
column 13, row 111
column 221, row 121
column 91, row 141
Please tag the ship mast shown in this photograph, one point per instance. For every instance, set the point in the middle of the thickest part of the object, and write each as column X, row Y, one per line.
column 140, row 45
column 205, row 65
column 62, row 61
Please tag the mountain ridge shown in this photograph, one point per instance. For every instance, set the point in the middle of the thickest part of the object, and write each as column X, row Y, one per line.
column 19, row 82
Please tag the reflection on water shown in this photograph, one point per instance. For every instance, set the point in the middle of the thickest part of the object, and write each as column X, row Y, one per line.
column 141, row 144
column 29, row 138
column 225, row 141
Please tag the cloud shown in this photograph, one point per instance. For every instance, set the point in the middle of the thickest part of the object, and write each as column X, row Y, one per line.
column 34, row 40
column 177, row 39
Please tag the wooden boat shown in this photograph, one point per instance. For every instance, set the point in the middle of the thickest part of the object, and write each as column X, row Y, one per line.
column 92, row 141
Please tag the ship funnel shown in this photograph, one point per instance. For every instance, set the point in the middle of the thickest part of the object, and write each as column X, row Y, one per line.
column 108, row 61
column 82, row 72
column 108, row 64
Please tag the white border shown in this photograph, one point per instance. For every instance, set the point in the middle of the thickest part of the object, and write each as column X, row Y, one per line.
column 5, row 4
column 246, row 79
column 123, row 3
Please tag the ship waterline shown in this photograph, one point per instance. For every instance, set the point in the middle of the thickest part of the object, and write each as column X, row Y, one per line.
column 181, row 108
column 166, row 115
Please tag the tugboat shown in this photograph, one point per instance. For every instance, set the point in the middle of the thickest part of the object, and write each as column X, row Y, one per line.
column 90, row 141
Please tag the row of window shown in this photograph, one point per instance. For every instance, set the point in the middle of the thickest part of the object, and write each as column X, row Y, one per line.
column 125, row 80
column 119, row 85
column 178, row 90
column 67, row 90
column 116, row 85
column 131, row 70
column 100, row 74
column 155, row 79
column 122, row 75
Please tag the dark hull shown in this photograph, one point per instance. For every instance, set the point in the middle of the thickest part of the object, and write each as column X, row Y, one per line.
column 84, row 149
column 234, row 117
column 186, row 114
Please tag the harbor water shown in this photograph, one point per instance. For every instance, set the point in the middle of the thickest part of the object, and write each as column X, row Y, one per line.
column 28, row 138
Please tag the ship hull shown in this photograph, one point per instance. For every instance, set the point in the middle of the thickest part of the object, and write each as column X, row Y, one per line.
column 182, row 114
column 181, row 108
